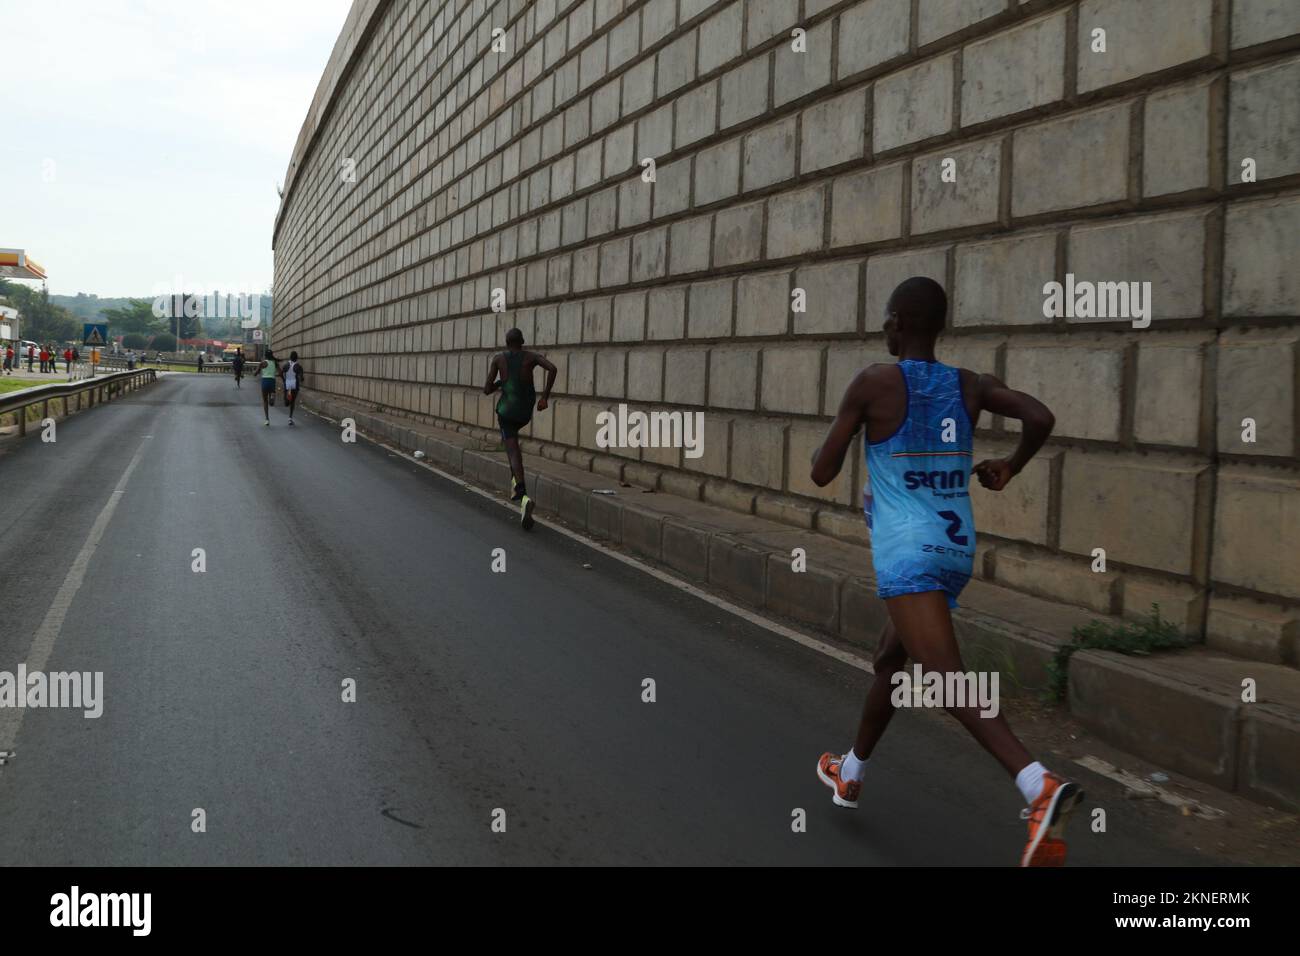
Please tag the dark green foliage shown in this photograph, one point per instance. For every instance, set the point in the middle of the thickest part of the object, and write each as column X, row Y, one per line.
column 41, row 320
column 136, row 316
column 1130, row 637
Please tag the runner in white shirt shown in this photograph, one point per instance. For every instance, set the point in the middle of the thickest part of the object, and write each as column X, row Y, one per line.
column 293, row 376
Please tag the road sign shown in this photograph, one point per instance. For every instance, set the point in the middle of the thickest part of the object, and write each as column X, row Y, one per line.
column 257, row 335
column 94, row 333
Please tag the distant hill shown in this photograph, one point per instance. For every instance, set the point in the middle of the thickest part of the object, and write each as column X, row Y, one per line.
column 89, row 307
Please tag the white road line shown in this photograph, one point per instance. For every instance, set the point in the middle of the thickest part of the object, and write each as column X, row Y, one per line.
column 1122, row 777
column 805, row 640
column 11, row 718
column 1145, row 789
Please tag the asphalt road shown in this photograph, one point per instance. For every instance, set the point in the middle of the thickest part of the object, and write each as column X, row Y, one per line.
column 475, row 690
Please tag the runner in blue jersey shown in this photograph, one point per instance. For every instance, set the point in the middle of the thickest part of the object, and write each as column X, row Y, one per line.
column 919, row 416
column 920, row 499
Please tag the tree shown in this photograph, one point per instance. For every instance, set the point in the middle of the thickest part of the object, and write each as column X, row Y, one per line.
column 136, row 317
column 164, row 342
column 41, row 320
column 191, row 325
column 134, row 340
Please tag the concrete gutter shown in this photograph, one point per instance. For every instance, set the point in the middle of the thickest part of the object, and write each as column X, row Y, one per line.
column 1183, row 710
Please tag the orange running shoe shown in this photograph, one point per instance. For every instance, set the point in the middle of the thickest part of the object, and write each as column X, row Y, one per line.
column 1047, row 818
column 844, row 793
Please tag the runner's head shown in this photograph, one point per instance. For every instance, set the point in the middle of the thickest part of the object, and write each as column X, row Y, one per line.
column 293, row 356
column 515, row 339
column 915, row 312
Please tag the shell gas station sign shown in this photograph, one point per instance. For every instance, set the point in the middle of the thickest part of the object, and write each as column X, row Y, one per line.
column 16, row 264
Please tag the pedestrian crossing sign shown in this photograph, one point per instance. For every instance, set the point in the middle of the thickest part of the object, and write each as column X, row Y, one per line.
column 94, row 334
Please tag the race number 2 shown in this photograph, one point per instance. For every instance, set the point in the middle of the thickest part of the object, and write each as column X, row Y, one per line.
column 954, row 525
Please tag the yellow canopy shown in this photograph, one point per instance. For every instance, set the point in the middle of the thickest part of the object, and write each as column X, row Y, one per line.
column 15, row 264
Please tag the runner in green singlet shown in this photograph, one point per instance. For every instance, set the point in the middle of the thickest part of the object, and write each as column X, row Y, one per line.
column 512, row 372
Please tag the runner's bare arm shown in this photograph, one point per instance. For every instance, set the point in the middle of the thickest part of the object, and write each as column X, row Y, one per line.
column 829, row 458
column 1036, row 421
column 551, row 372
column 490, row 385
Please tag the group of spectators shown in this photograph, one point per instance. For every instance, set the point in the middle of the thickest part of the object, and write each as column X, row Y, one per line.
column 48, row 356
column 143, row 358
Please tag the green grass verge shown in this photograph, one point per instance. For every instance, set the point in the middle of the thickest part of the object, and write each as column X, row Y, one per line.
column 164, row 367
column 1138, row 638
column 15, row 384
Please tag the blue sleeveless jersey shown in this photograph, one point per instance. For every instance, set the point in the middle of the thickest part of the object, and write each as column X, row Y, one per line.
column 917, row 497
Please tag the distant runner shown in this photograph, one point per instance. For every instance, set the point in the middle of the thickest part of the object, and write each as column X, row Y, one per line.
column 268, row 369
column 920, row 417
column 512, row 372
column 237, row 363
column 292, row 374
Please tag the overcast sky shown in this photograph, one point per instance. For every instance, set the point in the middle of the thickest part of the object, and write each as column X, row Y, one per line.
column 141, row 141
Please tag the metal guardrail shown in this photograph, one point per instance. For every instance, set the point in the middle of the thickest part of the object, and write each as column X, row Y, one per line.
column 116, row 361
column 120, row 361
column 101, row 389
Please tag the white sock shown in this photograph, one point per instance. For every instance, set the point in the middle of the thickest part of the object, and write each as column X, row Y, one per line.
column 851, row 768
column 1030, row 781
